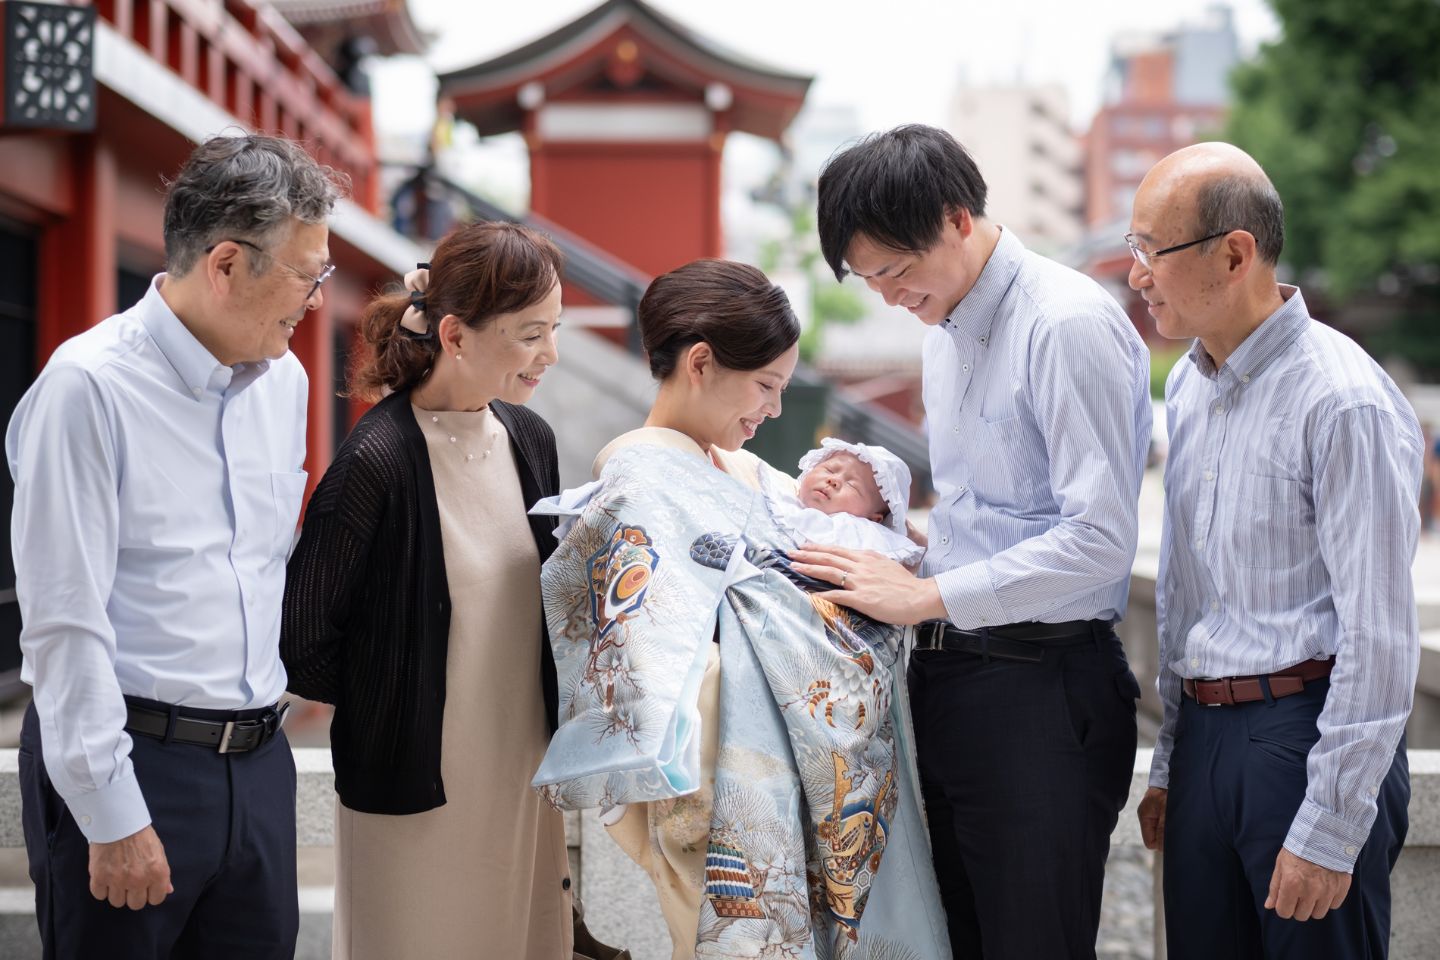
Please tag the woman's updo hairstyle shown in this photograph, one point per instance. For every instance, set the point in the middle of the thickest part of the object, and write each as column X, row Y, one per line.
column 477, row 272
column 746, row 319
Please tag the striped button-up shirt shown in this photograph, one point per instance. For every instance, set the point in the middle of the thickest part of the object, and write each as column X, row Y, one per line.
column 1037, row 399
column 156, row 494
column 1036, row 394
column 1290, row 528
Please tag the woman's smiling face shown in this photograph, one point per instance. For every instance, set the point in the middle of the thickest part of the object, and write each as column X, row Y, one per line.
column 733, row 403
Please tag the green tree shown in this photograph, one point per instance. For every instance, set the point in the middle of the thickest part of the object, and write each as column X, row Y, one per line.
column 1343, row 112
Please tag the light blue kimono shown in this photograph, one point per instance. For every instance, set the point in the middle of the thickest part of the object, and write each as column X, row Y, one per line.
column 817, row 846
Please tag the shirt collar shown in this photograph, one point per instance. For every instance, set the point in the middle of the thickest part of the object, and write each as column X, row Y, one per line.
column 975, row 314
column 1267, row 342
column 192, row 362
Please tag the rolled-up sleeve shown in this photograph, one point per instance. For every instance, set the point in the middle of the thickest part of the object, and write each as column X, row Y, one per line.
column 65, row 539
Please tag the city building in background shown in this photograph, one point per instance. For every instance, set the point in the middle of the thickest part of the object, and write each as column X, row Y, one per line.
column 1162, row 92
column 1021, row 138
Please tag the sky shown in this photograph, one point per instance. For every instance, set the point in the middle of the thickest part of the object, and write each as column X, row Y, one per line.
column 895, row 61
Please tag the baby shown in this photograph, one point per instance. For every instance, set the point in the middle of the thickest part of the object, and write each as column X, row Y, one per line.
column 850, row 495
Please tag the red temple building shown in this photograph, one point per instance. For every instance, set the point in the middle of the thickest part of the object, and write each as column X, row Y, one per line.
column 625, row 113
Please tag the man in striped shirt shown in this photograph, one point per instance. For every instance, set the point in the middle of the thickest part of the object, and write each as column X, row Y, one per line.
column 1036, row 390
column 1285, row 599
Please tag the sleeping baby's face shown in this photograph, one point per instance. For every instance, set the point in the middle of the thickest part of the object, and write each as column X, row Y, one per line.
column 843, row 483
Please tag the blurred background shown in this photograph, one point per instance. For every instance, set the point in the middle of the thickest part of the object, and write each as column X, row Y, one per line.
column 642, row 135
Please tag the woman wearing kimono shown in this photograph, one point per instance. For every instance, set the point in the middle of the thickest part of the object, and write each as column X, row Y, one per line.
column 723, row 343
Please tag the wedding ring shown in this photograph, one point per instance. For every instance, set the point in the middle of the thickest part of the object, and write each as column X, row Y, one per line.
column 843, row 577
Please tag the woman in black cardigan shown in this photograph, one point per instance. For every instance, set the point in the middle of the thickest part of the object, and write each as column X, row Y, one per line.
column 413, row 605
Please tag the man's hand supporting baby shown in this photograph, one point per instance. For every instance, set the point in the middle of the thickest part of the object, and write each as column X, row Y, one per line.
column 870, row 583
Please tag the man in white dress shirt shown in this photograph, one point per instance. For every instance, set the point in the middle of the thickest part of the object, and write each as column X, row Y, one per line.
column 158, row 478
column 1036, row 389
column 1289, row 639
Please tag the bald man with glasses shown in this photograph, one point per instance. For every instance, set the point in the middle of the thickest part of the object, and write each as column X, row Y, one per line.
column 1289, row 641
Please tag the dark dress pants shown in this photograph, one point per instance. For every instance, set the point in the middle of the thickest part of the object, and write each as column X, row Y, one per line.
column 1024, row 769
column 227, row 822
column 1237, row 778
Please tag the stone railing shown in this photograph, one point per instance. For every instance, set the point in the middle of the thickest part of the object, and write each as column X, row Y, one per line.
column 621, row 903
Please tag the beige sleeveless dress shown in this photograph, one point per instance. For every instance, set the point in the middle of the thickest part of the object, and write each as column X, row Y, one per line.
column 485, row 875
column 668, row 838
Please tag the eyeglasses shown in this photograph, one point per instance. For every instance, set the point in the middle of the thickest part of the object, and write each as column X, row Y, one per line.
column 316, row 282
column 1147, row 258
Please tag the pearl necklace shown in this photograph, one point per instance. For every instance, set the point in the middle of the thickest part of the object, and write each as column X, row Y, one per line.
column 494, row 435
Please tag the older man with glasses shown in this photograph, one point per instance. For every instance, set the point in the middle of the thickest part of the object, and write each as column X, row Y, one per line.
column 1288, row 632
column 158, row 479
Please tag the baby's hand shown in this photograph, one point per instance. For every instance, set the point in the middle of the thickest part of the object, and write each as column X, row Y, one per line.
column 915, row 534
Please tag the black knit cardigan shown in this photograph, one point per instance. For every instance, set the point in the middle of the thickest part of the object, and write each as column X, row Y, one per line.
column 366, row 619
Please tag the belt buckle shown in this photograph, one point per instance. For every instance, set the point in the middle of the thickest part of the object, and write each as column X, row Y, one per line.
column 225, row 736
column 936, row 636
column 1224, row 682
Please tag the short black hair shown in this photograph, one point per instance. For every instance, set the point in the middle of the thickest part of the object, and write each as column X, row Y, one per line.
column 896, row 188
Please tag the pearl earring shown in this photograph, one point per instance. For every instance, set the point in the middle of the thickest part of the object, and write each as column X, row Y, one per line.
column 457, row 356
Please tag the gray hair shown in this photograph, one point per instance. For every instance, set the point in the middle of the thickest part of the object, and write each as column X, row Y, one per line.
column 244, row 188
column 1239, row 202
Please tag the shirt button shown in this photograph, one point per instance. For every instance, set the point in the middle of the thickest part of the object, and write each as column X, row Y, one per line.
column 1195, row 662
column 565, row 884
column 1245, row 379
column 1349, row 851
column 1209, row 474
column 1219, row 409
column 944, row 539
column 1374, row 791
column 195, row 391
column 982, row 339
column 1214, row 604
column 85, row 820
column 1199, row 543
column 957, row 428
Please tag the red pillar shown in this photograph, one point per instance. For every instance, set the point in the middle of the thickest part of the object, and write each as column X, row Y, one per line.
column 78, row 271
column 313, row 343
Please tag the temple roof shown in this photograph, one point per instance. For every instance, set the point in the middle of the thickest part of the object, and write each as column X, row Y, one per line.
column 327, row 23
column 667, row 55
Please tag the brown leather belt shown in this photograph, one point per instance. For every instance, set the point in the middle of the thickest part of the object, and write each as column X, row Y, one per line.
column 1228, row 691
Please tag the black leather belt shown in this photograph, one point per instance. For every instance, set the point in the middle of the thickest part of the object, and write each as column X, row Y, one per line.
column 227, row 731
column 1023, row 642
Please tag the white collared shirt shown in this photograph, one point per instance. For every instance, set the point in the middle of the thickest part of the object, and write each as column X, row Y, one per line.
column 156, row 496
column 1037, row 399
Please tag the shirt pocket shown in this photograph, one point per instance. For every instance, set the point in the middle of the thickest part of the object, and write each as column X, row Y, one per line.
column 1270, row 523
column 1004, row 463
column 287, row 490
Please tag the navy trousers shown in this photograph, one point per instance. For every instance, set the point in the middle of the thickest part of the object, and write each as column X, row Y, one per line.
column 227, row 822
column 1024, row 769
column 1237, row 778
